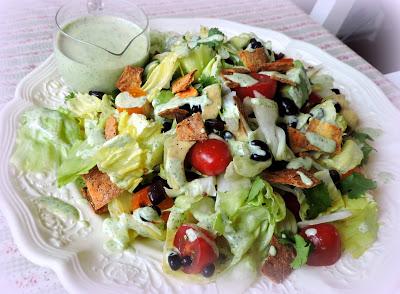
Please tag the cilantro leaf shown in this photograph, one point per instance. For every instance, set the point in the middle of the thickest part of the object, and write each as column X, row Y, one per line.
column 356, row 185
column 207, row 80
column 70, row 96
column 214, row 31
column 318, row 199
column 302, row 250
column 366, row 148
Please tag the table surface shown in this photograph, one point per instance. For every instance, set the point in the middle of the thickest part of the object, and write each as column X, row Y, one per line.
column 26, row 29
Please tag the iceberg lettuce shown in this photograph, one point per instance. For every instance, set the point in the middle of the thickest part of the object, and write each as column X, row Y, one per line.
column 86, row 106
column 44, row 139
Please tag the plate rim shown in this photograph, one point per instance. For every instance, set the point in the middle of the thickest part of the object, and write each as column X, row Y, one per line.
column 26, row 243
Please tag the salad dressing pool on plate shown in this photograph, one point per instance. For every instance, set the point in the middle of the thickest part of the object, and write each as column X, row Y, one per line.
column 85, row 67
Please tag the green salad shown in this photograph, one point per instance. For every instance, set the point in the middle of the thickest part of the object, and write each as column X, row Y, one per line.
column 238, row 158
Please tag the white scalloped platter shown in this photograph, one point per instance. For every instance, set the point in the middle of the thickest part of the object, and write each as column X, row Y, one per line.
column 73, row 247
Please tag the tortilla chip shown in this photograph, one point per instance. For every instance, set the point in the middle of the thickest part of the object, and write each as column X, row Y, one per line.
column 230, row 71
column 85, row 194
column 277, row 267
column 189, row 92
column 281, row 65
column 283, row 80
column 254, row 60
column 131, row 77
column 290, row 177
column 327, row 130
column 182, row 83
column 111, row 127
column 174, row 113
column 191, row 129
column 298, row 141
column 100, row 188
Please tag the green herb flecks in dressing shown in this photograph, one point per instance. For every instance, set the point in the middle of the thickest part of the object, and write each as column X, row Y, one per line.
column 86, row 67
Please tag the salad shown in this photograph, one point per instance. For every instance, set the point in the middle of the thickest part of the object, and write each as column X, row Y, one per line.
column 238, row 158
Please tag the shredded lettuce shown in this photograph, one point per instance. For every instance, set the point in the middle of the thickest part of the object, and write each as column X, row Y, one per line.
column 197, row 59
column 44, row 139
column 86, row 106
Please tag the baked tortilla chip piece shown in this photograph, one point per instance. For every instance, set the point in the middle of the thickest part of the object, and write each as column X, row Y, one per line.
column 291, row 177
column 277, row 268
column 298, row 141
column 282, row 79
column 244, row 128
column 130, row 78
column 111, row 127
column 253, row 60
column 327, row 130
column 86, row 195
column 174, row 113
column 100, row 188
column 182, row 83
column 189, row 92
column 191, row 129
column 281, row 65
column 231, row 85
column 230, row 71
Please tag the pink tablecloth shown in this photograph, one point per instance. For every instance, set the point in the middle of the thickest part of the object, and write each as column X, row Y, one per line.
column 26, row 40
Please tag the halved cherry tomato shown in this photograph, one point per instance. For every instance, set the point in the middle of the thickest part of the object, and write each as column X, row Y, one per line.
column 313, row 100
column 327, row 245
column 202, row 250
column 210, row 157
column 265, row 87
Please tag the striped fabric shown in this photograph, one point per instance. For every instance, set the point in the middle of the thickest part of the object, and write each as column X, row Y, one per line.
column 26, row 29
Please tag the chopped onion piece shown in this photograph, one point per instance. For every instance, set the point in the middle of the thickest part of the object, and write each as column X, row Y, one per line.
column 326, row 218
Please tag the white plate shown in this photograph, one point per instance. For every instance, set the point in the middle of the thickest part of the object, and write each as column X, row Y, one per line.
column 74, row 249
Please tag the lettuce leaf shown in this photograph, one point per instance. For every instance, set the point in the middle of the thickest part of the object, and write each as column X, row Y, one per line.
column 350, row 157
column 198, row 58
column 44, row 139
column 359, row 231
column 266, row 112
column 86, row 106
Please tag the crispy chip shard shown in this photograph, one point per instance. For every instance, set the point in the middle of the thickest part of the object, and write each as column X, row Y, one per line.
column 191, row 129
column 281, row 65
column 298, row 141
column 230, row 71
column 189, row 92
column 86, row 195
column 130, row 78
column 111, row 127
column 254, row 60
column 291, row 177
column 277, row 268
column 182, row 83
column 283, row 80
column 327, row 130
column 173, row 113
column 100, row 188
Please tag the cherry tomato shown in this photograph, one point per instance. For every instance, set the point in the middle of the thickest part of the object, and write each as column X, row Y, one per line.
column 314, row 99
column 265, row 87
column 327, row 245
column 202, row 250
column 210, row 157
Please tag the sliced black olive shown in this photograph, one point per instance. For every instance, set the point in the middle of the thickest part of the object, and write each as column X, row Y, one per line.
column 208, row 270
column 186, row 261
column 214, row 125
column 166, row 126
column 227, row 135
column 229, row 61
column 279, row 56
column 335, row 176
column 190, row 176
column 255, row 44
column 196, row 108
column 338, row 107
column 157, row 193
column 264, row 147
column 174, row 261
column 185, row 107
column 336, row 91
column 293, row 124
column 287, row 106
column 278, row 165
column 157, row 209
column 97, row 94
